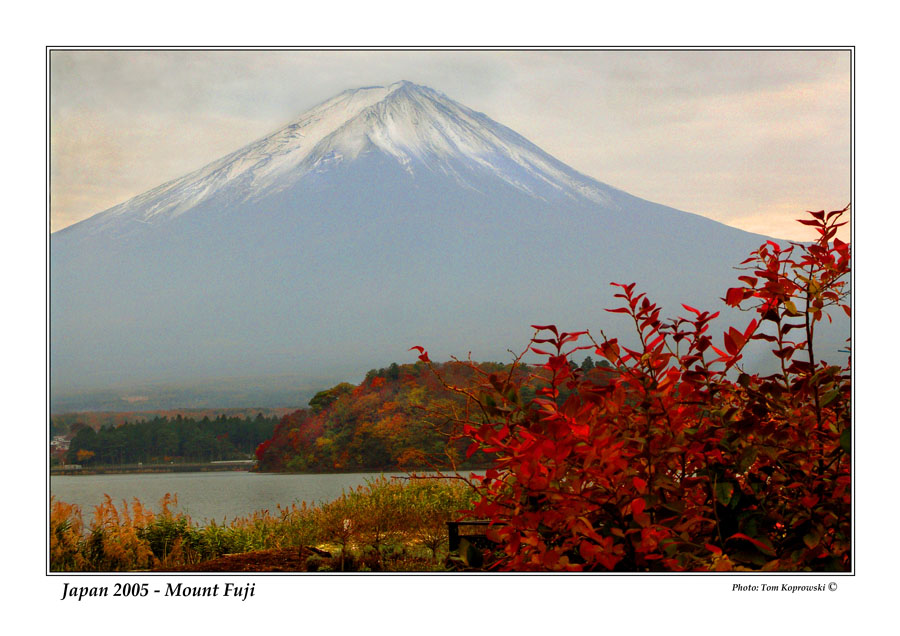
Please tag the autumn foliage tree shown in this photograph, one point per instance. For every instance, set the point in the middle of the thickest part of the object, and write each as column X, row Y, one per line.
column 681, row 459
column 399, row 418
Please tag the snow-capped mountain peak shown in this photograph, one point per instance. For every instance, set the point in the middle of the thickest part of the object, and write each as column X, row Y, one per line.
column 418, row 125
column 420, row 128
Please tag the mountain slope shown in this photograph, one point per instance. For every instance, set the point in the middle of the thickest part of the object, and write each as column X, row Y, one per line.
column 382, row 218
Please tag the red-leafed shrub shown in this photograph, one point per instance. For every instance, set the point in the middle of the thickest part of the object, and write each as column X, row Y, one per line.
column 679, row 459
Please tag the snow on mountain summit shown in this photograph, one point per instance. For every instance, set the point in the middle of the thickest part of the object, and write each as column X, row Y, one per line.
column 420, row 128
column 418, row 124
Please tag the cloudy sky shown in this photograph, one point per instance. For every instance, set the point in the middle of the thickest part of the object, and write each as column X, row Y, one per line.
column 749, row 138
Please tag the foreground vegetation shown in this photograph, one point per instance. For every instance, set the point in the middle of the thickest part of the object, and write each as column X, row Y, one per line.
column 685, row 460
column 397, row 525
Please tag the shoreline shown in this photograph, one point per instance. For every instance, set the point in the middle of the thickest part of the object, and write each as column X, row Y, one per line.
column 151, row 468
column 207, row 467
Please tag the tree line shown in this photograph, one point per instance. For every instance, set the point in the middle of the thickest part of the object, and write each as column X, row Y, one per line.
column 162, row 439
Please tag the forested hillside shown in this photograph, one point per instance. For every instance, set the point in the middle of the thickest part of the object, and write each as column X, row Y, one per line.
column 387, row 422
column 400, row 417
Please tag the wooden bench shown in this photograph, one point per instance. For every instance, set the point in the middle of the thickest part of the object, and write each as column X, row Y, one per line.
column 467, row 547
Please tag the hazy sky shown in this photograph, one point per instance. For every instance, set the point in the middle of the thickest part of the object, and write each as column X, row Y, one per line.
column 749, row 138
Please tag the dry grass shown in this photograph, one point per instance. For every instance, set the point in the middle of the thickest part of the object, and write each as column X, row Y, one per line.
column 384, row 525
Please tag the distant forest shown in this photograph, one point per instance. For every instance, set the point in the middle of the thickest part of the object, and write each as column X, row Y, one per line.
column 162, row 439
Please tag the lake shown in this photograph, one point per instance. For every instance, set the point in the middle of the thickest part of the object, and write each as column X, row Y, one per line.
column 207, row 496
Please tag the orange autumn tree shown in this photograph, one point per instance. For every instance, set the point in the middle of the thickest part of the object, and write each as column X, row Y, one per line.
column 680, row 459
column 395, row 419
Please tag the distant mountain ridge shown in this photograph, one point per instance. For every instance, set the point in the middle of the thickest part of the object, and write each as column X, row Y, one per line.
column 381, row 218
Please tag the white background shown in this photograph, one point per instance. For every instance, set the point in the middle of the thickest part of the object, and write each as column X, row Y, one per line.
column 445, row 605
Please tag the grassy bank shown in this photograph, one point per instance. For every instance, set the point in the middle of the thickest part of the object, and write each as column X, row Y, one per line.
column 386, row 525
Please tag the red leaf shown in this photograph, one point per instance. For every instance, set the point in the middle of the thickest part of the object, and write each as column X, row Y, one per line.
column 655, row 342
column 609, row 349
column 637, row 506
column 734, row 296
column 640, row 485
column 558, row 362
column 642, row 518
column 737, row 337
column 587, row 550
column 810, row 500
column 750, row 329
column 628, row 288
column 729, row 344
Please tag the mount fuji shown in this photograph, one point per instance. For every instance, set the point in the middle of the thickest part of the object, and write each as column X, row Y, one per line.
column 383, row 218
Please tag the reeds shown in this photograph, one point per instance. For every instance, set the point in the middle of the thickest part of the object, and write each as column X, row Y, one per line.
column 386, row 524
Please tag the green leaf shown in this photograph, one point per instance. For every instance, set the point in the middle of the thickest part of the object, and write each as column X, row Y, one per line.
column 829, row 397
column 845, row 440
column 747, row 459
column 812, row 538
column 724, row 492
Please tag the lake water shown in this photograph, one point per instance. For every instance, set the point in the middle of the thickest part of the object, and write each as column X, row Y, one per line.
column 208, row 496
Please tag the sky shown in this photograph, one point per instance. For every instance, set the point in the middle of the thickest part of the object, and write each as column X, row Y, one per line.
column 750, row 138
